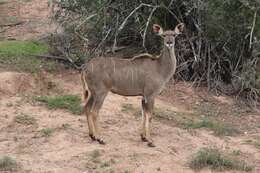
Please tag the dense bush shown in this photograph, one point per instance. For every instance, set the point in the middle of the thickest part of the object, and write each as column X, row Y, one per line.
column 220, row 46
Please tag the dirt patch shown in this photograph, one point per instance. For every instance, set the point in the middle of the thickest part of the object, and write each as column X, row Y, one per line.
column 33, row 18
column 222, row 108
column 14, row 83
column 67, row 148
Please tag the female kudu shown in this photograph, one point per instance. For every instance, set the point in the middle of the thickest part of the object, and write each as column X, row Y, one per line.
column 143, row 75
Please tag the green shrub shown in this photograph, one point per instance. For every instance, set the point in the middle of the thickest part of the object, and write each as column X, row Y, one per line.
column 223, row 35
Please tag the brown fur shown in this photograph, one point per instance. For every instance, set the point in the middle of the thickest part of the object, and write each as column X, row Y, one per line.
column 143, row 75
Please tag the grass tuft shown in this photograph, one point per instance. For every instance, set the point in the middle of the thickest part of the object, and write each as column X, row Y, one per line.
column 236, row 152
column 213, row 158
column 46, row 132
column 126, row 171
column 25, row 119
column 255, row 143
column 220, row 129
column 65, row 126
column 127, row 108
column 69, row 102
column 7, row 163
column 105, row 164
column 3, row 2
column 95, row 154
column 111, row 171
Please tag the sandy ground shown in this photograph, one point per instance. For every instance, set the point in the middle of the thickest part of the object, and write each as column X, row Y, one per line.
column 34, row 16
column 71, row 150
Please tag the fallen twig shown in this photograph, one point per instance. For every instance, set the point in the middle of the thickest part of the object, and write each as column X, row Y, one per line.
column 12, row 24
column 64, row 59
column 51, row 57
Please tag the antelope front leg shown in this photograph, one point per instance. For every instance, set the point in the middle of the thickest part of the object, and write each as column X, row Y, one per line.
column 148, row 119
column 147, row 106
column 143, row 132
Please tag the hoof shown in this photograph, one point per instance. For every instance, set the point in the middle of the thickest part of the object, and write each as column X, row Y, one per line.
column 150, row 144
column 101, row 141
column 92, row 137
column 143, row 138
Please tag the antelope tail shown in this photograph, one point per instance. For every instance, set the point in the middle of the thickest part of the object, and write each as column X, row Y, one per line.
column 86, row 91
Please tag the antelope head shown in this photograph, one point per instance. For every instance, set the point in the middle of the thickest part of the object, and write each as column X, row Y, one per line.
column 168, row 35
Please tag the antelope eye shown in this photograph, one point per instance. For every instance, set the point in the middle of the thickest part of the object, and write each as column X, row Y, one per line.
column 163, row 35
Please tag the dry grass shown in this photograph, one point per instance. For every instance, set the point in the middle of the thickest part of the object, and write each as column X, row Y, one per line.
column 255, row 143
column 46, row 132
column 217, row 160
column 7, row 163
column 25, row 119
column 219, row 128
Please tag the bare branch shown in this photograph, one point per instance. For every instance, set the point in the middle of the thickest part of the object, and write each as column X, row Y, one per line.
column 77, row 27
column 252, row 30
column 137, row 8
column 126, row 19
column 147, row 24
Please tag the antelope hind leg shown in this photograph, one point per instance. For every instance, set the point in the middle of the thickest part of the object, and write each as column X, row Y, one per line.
column 91, row 127
column 87, row 109
column 98, row 102
column 97, row 130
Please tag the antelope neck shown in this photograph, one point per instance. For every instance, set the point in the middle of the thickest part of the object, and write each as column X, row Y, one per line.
column 167, row 62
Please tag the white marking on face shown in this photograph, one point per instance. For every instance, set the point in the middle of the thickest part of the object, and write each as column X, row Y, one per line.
column 170, row 46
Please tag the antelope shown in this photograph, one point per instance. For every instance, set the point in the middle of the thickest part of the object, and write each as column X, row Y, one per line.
column 143, row 75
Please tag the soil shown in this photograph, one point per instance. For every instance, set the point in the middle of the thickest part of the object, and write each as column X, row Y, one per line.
column 32, row 15
column 69, row 149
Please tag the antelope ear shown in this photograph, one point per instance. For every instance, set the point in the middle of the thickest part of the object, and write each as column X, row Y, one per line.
column 179, row 28
column 157, row 29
